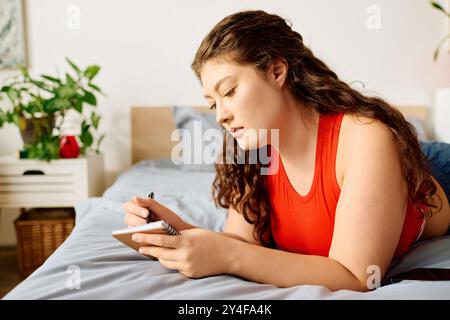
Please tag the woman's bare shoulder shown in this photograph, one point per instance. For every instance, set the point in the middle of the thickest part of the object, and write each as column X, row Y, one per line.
column 354, row 124
column 356, row 134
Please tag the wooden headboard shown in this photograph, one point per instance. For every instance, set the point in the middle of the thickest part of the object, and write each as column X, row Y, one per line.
column 152, row 126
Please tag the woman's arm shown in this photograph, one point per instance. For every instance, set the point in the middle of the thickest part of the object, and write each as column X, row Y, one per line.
column 238, row 228
column 233, row 236
column 285, row 269
column 235, row 227
column 187, row 226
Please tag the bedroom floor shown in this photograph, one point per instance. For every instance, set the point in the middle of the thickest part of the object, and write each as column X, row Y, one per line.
column 9, row 274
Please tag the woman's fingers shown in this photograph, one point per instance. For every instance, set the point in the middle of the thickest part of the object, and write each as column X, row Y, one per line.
column 161, row 253
column 149, row 203
column 134, row 220
column 159, row 212
column 131, row 207
column 159, row 240
column 153, row 251
column 169, row 264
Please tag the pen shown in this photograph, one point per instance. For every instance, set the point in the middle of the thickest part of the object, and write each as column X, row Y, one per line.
column 152, row 196
column 167, row 227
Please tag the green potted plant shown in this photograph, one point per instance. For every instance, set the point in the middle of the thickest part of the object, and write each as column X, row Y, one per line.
column 437, row 6
column 38, row 107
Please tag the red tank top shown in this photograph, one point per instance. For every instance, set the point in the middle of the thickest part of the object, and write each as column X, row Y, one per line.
column 304, row 224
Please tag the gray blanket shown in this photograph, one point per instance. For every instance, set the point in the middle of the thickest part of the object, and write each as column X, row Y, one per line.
column 91, row 264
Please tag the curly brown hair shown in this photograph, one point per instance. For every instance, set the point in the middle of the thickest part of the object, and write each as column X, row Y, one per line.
column 258, row 38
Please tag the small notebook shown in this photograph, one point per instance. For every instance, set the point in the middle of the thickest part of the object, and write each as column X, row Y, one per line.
column 158, row 227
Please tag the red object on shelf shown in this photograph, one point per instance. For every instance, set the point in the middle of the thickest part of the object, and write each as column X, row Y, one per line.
column 68, row 147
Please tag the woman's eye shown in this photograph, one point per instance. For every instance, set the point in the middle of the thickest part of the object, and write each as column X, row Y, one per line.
column 230, row 93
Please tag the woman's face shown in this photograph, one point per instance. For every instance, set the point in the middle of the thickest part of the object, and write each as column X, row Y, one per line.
column 243, row 98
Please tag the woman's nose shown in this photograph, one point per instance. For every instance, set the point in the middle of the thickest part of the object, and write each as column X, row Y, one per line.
column 222, row 118
column 222, row 115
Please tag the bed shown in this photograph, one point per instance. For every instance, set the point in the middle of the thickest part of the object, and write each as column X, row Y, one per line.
column 109, row 270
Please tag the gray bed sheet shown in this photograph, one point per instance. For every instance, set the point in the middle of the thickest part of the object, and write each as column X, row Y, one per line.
column 109, row 270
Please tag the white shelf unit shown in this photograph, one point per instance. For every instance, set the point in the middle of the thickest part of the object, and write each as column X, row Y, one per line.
column 26, row 183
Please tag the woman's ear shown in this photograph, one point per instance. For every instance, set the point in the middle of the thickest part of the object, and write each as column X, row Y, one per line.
column 278, row 72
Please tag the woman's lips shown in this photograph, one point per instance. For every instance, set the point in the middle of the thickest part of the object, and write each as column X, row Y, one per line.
column 237, row 131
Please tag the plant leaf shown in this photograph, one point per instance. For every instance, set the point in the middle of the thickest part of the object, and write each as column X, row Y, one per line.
column 2, row 118
column 78, row 106
column 65, row 91
column 23, row 69
column 436, row 52
column 71, row 81
column 85, row 136
column 89, row 98
column 12, row 94
column 93, row 86
column 91, row 71
column 99, row 141
column 9, row 116
column 437, row 6
column 50, row 78
column 16, row 119
column 74, row 66
column 5, row 89
column 41, row 85
column 95, row 118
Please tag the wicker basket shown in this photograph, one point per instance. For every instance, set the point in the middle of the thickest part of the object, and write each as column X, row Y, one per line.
column 39, row 233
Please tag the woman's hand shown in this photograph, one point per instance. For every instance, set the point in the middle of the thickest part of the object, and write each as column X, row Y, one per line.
column 138, row 209
column 196, row 253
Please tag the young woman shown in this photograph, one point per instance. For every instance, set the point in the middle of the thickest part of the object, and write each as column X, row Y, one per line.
column 353, row 189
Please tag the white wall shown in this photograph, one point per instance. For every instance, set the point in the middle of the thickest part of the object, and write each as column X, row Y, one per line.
column 145, row 49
